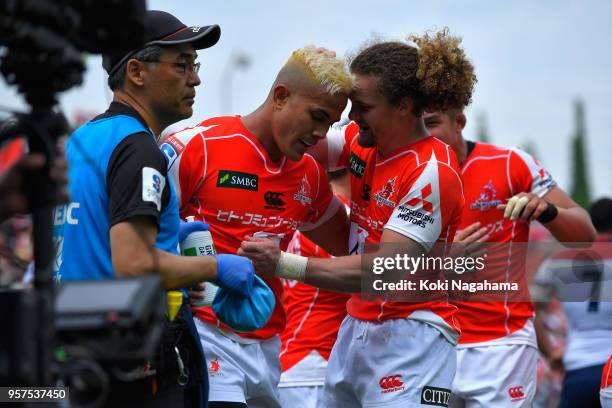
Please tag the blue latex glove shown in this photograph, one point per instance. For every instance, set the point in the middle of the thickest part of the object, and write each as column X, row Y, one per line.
column 187, row 228
column 245, row 314
column 235, row 274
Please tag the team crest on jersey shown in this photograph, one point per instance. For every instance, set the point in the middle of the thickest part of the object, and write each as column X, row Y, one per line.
column 303, row 195
column 487, row 199
column 383, row 196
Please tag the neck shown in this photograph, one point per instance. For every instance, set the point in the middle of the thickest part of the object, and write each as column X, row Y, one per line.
column 127, row 98
column 259, row 124
column 461, row 150
column 411, row 133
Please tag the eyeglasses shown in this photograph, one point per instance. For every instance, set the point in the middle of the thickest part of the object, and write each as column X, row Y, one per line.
column 183, row 67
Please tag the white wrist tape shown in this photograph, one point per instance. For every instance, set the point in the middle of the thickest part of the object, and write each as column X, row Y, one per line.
column 291, row 266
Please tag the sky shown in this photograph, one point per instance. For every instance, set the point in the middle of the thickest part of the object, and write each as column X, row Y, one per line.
column 532, row 59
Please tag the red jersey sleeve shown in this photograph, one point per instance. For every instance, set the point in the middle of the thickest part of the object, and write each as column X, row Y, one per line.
column 186, row 154
column 431, row 209
column 324, row 204
column 339, row 140
column 528, row 175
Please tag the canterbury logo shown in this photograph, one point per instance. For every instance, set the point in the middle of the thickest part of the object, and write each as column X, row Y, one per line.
column 391, row 381
column 425, row 192
column 274, row 199
column 516, row 392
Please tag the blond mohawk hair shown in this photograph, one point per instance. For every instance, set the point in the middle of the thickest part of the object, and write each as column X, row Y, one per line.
column 325, row 69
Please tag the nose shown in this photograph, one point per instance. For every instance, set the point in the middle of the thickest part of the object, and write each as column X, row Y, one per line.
column 353, row 115
column 194, row 79
column 320, row 132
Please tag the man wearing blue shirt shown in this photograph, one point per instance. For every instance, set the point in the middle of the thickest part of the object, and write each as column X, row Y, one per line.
column 122, row 220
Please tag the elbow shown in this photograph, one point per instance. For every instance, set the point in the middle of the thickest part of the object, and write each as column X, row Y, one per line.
column 581, row 238
column 133, row 267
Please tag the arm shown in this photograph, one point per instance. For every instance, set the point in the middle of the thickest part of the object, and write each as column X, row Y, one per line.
column 138, row 191
column 134, row 254
column 572, row 223
column 537, row 189
column 344, row 274
column 320, row 152
column 554, row 355
column 333, row 234
column 542, row 290
column 332, row 152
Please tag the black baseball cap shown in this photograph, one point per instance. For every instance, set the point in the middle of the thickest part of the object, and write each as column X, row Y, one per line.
column 163, row 28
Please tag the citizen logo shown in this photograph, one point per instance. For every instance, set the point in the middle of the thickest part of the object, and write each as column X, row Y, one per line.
column 435, row 396
column 273, row 200
column 516, row 393
column 391, row 383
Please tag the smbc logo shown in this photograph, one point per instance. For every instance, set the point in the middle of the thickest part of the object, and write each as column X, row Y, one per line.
column 237, row 179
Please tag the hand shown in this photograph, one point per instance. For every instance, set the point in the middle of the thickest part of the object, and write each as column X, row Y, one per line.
column 323, row 50
column 555, row 361
column 13, row 199
column 195, row 293
column 235, row 274
column 526, row 207
column 470, row 240
column 264, row 254
column 187, row 228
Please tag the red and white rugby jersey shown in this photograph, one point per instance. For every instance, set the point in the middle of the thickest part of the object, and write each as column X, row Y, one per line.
column 492, row 175
column 415, row 191
column 606, row 376
column 313, row 319
column 224, row 176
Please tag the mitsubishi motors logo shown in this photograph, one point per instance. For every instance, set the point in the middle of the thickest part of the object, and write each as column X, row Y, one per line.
column 516, row 393
column 391, row 383
column 421, row 201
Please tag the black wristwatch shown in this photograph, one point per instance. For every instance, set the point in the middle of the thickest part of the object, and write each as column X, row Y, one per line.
column 549, row 214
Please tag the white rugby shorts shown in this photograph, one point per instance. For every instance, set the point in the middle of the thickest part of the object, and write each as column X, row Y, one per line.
column 238, row 372
column 394, row 363
column 300, row 397
column 605, row 396
column 495, row 376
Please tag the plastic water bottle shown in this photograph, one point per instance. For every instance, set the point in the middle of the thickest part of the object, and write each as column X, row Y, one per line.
column 200, row 243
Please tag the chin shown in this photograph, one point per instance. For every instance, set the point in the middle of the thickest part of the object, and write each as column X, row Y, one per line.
column 365, row 140
column 295, row 156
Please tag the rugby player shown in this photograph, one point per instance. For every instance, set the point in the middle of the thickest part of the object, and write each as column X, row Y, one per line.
column 589, row 314
column 605, row 393
column 248, row 175
column 505, row 190
column 405, row 191
column 313, row 319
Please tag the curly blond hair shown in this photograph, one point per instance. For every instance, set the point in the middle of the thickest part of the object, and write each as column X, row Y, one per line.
column 446, row 75
column 434, row 71
column 324, row 68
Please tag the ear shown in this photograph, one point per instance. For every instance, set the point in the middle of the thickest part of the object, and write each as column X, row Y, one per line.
column 134, row 72
column 280, row 96
column 406, row 105
column 461, row 120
